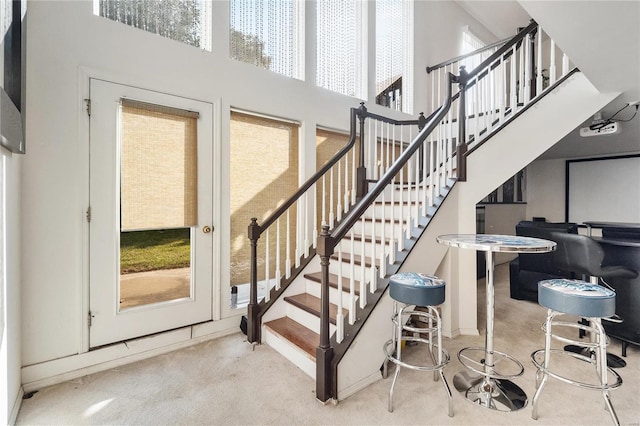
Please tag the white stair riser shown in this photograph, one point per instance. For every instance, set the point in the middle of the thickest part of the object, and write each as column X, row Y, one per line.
column 334, row 266
column 390, row 230
column 369, row 249
column 290, row 351
column 303, row 317
column 397, row 209
column 314, row 289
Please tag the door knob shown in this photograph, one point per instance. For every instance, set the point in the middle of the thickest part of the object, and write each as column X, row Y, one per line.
column 206, row 229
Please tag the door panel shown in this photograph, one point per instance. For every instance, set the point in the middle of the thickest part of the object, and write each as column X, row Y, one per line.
column 151, row 239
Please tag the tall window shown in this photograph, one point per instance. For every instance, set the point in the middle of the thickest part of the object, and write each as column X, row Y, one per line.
column 339, row 46
column 269, row 35
column 394, row 54
column 187, row 21
column 470, row 43
column 264, row 174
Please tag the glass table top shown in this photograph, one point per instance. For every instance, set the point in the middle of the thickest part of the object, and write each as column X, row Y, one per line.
column 497, row 243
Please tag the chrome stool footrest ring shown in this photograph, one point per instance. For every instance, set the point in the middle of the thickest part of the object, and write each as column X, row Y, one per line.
column 478, row 366
column 595, row 386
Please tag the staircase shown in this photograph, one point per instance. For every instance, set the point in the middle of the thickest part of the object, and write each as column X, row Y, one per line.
column 376, row 208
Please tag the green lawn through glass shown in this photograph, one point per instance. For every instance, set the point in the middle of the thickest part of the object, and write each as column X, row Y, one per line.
column 152, row 250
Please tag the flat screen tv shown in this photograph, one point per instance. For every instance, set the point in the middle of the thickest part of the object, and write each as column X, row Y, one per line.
column 11, row 129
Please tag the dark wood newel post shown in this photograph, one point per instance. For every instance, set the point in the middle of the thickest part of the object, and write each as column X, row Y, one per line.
column 324, row 352
column 361, row 186
column 462, row 131
column 253, row 326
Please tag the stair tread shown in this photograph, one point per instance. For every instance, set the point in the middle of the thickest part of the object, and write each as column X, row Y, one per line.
column 296, row 333
column 312, row 305
column 333, row 281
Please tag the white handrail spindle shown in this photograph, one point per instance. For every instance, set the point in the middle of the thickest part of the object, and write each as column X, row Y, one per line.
column 552, row 63
column 306, row 224
column 267, row 295
column 287, row 271
column 363, row 267
column 339, row 197
column 339, row 315
column 331, row 213
column 278, row 272
column 539, row 62
column 352, row 284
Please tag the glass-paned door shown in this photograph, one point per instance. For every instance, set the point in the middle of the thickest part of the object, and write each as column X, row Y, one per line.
column 151, row 236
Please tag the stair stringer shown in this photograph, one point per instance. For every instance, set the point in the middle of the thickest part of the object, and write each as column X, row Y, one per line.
column 522, row 140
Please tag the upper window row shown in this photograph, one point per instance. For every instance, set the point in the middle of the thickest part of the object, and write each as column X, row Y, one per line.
column 270, row 35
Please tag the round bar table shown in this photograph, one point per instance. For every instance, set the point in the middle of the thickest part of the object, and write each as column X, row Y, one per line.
column 486, row 386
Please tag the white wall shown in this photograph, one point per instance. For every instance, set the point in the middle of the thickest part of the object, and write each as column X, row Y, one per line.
column 10, row 321
column 10, row 302
column 66, row 45
column 546, row 190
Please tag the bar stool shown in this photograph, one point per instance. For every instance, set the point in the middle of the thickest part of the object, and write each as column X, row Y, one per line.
column 424, row 292
column 591, row 301
column 582, row 255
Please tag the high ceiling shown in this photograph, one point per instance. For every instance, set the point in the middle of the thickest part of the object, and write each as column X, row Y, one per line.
column 602, row 38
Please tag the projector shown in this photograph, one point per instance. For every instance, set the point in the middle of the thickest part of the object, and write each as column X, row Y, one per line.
column 608, row 129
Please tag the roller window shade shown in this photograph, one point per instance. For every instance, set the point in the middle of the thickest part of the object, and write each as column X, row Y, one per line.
column 158, row 167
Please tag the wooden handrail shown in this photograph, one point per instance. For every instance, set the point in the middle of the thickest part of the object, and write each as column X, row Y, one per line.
column 354, row 214
column 466, row 55
column 504, row 49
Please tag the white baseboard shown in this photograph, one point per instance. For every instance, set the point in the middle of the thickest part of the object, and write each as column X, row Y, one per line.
column 358, row 386
column 60, row 370
column 13, row 415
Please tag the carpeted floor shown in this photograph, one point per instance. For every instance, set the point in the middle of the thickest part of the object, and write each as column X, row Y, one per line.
column 224, row 382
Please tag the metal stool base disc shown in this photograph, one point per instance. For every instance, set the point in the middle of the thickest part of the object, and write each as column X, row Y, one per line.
column 494, row 394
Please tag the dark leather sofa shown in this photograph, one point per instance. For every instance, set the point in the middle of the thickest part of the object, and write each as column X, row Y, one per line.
column 527, row 269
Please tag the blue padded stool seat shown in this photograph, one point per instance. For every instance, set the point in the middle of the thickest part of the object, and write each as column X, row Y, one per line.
column 577, row 298
column 417, row 289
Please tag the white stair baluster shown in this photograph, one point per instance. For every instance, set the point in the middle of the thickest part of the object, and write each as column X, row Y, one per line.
column 306, row 224
column 324, row 200
column 339, row 195
column 374, row 146
column 346, row 182
column 267, row 283
column 315, row 216
column 354, row 174
column 278, row 272
column 299, row 230
column 476, row 114
column 552, row 62
column 503, row 89
column 565, row 64
column 527, row 69
column 363, row 267
column 492, row 97
column 393, row 189
column 388, row 144
column 339, row 315
column 539, row 62
column 513, row 80
column 373, row 280
column 352, row 283
column 383, row 240
column 331, row 216
column 371, row 153
column 287, row 267
column 521, row 77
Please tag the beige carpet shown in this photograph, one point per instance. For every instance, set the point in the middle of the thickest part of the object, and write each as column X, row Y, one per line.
column 224, row 382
